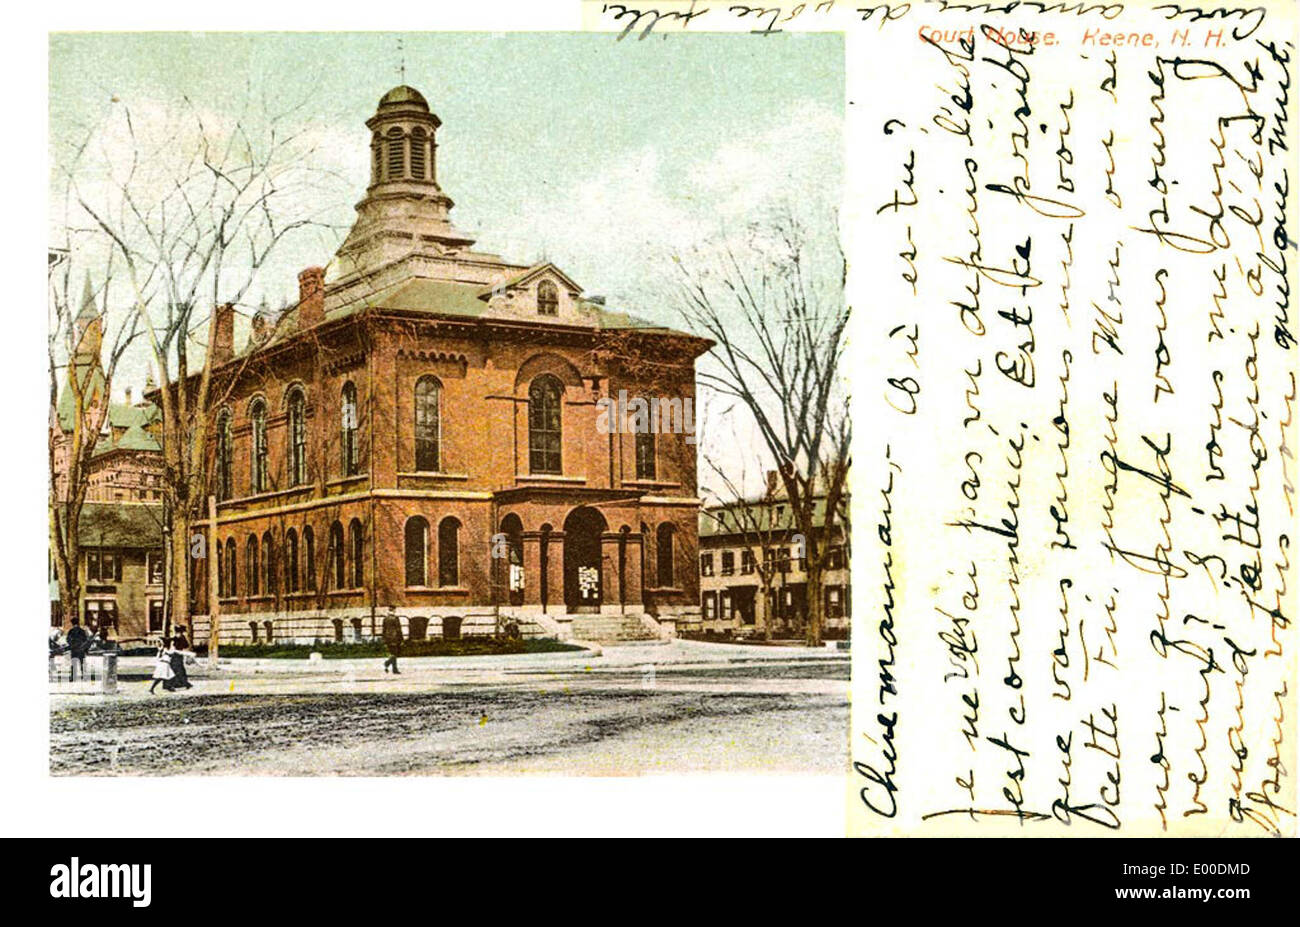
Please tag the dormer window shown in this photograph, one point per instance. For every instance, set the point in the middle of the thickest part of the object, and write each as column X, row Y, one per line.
column 548, row 300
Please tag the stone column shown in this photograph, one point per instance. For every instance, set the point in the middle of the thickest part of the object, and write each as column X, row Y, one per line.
column 632, row 573
column 609, row 581
column 555, row 573
column 532, row 542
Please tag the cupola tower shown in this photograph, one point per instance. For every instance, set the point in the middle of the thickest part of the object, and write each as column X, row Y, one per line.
column 404, row 210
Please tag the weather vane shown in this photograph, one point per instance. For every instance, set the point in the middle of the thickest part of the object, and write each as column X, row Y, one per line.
column 401, row 58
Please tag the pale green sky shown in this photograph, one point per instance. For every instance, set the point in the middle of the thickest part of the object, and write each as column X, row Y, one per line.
column 541, row 132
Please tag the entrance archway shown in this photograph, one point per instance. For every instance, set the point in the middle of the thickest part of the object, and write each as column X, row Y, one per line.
column 512, row 569
column 583, row 578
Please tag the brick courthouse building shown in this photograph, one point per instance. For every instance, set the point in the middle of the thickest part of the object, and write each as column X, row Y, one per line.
column 423, row 431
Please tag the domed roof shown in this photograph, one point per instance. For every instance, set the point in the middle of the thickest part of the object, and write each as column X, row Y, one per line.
column 403, row 94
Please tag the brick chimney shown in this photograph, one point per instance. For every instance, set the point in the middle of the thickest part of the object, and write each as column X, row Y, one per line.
column 311, row 297
column 223, row 347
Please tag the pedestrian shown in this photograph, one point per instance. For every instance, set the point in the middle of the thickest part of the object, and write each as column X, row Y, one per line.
column 162, row 668
column 392, row 640
column 78, row 647
column 180, row 678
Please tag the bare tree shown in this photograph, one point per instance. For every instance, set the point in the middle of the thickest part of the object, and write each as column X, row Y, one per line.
column 83, row 359
column 774, row 304
column 194, row 208
column 754, row 520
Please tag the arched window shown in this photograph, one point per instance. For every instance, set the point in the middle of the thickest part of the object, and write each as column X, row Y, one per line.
column 645, row 451
column 396, row 154
column 225, row 443
column 417, row 551
column 297, row 437
column 272, row 585
column 348, row 420
column 221, row 569
column 449, row 552
column 291, row 561
column 250, row 566
column 356, row 543
column 336, row 570
column 548, row 299
column 257, row 412
column 664, row 553
column 544, row 425
column 308, row 559
column 428, row 397
column 231, row 585
column 417, row 154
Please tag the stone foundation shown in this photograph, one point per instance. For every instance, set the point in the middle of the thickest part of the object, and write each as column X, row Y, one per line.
column 360, row 624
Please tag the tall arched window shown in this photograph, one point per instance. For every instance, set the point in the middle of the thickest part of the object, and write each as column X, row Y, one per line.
column 356, row 543
column 449, row 552
column 348, row 421
column 417, row 551
column 297, row 437
column 428, row 424
column 291, row 561
column 645, row 451
column 257, row 412
column 664, row 554
column 225, row 443
column 221, row 569
column 544, row 425
column 250, row 566
column 548, row 298
column 272, row 584
column 231, row 585
column 417, row 154
column 396, row 154
column 336, row 570
column 308, row 559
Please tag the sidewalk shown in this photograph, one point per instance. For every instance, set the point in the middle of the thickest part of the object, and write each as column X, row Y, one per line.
column 615, row 665
column 632, row 654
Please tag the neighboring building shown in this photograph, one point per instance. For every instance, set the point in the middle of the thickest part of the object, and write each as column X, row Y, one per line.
column 422, row 431
column 752, row 572
column 120, row 534
column 126, row 465
column 121, row 569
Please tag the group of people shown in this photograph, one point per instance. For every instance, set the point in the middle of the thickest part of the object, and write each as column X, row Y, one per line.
column 76, row 645
column 169, row 665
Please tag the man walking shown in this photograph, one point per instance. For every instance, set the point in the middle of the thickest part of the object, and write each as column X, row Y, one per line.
column 78, row 646
column 392, row 639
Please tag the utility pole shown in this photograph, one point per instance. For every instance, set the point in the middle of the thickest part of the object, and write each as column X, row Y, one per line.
column 214, row 600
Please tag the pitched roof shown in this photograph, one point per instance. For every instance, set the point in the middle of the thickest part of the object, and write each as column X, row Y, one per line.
column 135, row 438
column 521, row 277
column 763, row 516
column 463, row 300
column 120, row 524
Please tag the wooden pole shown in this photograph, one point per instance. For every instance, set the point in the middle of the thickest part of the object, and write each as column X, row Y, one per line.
column 214, row 600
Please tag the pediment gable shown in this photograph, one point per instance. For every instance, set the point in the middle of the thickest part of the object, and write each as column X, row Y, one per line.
column 541, row 293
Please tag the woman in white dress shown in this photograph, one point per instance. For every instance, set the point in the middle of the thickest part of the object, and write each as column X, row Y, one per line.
column 162, row 668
